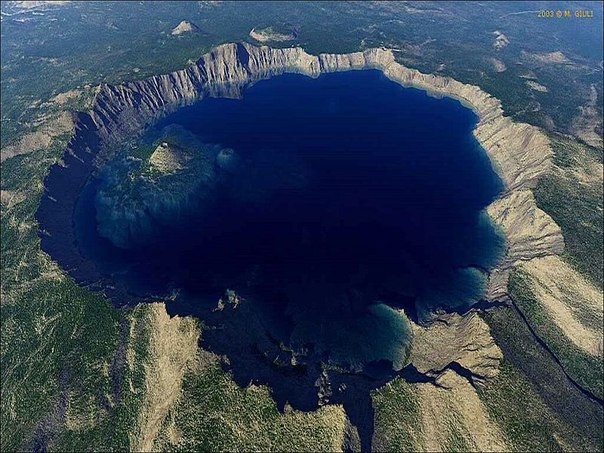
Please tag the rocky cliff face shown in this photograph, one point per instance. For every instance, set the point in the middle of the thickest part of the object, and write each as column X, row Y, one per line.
column 519, row 152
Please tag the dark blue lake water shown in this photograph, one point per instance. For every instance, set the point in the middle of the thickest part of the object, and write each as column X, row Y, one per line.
column 344, row 199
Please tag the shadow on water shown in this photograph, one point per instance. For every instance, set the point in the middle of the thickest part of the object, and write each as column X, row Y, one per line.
column 298, row 223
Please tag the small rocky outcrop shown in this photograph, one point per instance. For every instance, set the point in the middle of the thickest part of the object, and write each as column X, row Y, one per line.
column 501, row 40
column 228, row 160
column 184, row 27
column 455, row 342
column 169, row 158
column 268, row 34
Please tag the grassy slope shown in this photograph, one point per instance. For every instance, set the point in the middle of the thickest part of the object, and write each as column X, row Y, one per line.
column 397, row 418
column 548, row 404
column 528, row 423
column 533, row 402
column 215, row 414
column 585, row 369
column 58, row 340
column 575, row 206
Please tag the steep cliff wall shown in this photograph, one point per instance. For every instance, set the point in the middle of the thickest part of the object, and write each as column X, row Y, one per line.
column 519, row 152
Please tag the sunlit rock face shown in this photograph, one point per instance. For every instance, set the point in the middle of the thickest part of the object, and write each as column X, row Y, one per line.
column 304, row 224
